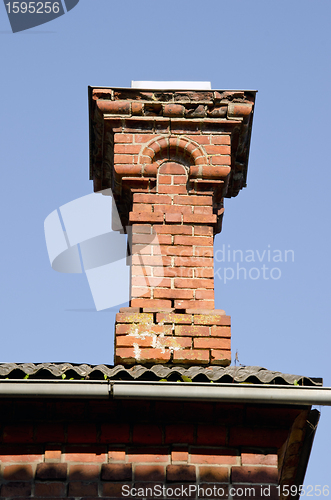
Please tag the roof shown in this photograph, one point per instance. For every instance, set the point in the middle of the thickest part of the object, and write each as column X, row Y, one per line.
column 230, row 374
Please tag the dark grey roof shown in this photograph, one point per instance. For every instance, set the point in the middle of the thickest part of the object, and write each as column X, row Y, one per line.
column 235, row 374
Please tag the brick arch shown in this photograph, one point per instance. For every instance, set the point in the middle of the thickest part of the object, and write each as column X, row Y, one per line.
column 173, row 148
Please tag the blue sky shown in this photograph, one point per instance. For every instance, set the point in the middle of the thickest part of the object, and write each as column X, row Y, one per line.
column 282, row 49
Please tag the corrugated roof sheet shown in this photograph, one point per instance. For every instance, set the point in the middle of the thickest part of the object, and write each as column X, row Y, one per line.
column 235, row 374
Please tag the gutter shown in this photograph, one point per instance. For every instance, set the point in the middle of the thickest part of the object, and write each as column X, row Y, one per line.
column 184, row 391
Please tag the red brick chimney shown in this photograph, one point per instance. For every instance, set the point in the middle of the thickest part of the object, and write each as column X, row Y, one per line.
column 170, row 158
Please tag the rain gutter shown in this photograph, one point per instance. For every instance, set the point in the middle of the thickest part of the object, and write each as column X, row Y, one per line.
column 184, row 391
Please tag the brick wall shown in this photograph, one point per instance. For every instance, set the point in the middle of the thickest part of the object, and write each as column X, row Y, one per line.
column 170, row 158
column 91, row 449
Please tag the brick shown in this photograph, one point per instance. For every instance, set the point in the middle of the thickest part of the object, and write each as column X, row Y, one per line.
column 212, row 343
column 148, row 454
column 194, row 283
column 116, row 455
column 18, row 433
column 147, row 434
column 140, row 207
column 165, row 179
column 50, row 432
column 21, row 472
column 19, row 454
column 142, row 138
column 221, row 160
column 174, row 272
column 17, row 489
column 126, row 159
column 124, row 138
column 50, row 490
column 192, row 331
column 149, row 473
column 188, row 355
column 211, row 435
column 186, row 304
column 214, row 319
column 199, row 219
column 115, row 433
column 126, row 149
column 141, row 229
column 172, row 209
column 147, row 260
column 179, row 189
column 154, row 239
column 182, row 473
column 174, row 318
column 204, row 295
column 217, row 474
column 130, row 340
column 264, row 475
column 146, row 217
column 152, row 199
column 180, row 179
column 173, row 217
column 179, row 455
column 151, row 303
column 193, row 240
column 200, row 139
column 175, row 110
column 220, row 139
column 250, row 436
column 92, row 454
column 137, row 329
column 130, row 356
column 82, row 433
column 220, row 357
column 203, row 231
column 114, row 490
column 193, row 200
column 218, row 150
column 213, row 456
column 194, row 261
column 203, row 210
column 116, row 472
column 166, row 293
column 134, row 318
column 253, row 458
column 175, row 341
column 85, row 472
column 179, row 433
column 172, row 169
column 172, row 229
column 204, row 272
column 50, row 471
column 83, row 489
column 141, row 292
column 114, row 107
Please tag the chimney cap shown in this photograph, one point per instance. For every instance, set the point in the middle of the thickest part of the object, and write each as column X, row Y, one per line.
column 170, row 85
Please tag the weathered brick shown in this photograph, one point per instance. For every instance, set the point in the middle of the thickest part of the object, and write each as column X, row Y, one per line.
column 50, row 471
column 116, row 472
column 22, row 472
column 192, row 331
column 179, row 433
column 148, row 454
column 213, row 456
column 84, row 472
column 82, row 433
column 82, row 489
column 147, row 434
column 264, row 475
column 94, row 454
column 212, row 343
column 253, row 458
column 217, row 474
column 50, row 489
column 16, row 489
column 149, row 473
column 182, row 473
column 211, row 435
column 115, row 433
column 187, row 355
